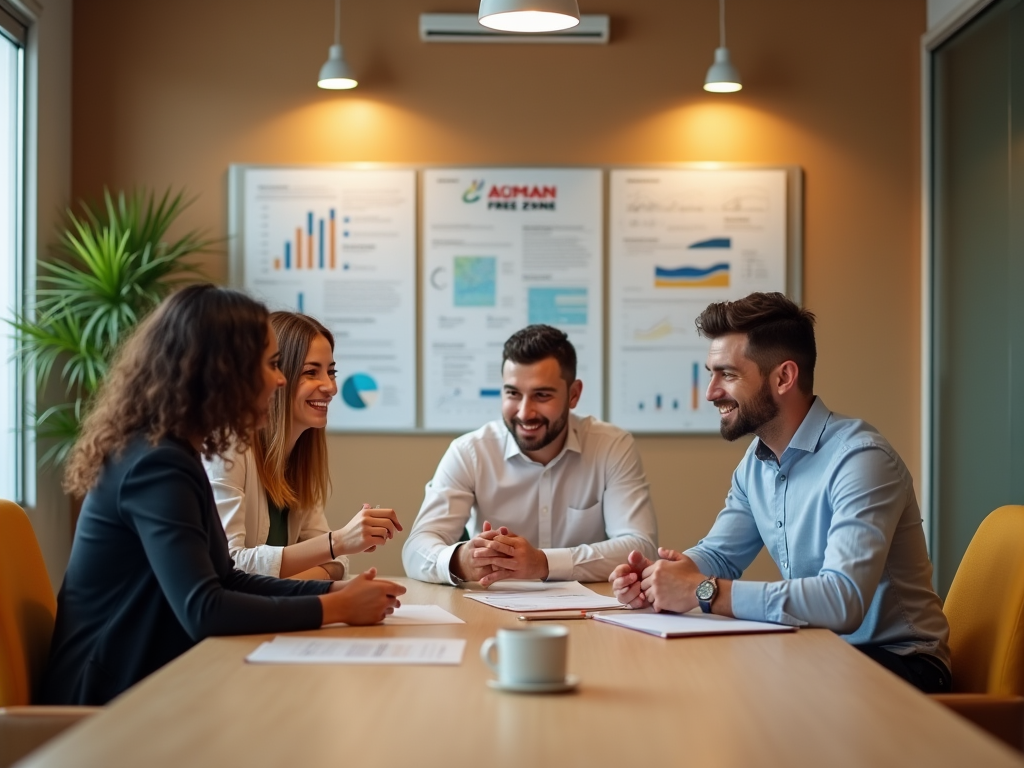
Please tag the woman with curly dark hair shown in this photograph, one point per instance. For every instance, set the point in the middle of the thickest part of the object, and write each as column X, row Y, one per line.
column 150, row 574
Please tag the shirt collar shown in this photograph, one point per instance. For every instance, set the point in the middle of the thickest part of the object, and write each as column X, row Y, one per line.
column 572, row 442
column 807, row 434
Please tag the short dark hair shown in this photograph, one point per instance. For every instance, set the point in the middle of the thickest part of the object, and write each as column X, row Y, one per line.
column 777, row 330
column 539, row 342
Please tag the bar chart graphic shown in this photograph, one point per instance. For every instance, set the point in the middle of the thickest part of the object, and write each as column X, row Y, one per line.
column 313, row 246
column 339, row 244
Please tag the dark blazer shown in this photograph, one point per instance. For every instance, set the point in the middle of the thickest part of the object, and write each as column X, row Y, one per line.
column 150, row 576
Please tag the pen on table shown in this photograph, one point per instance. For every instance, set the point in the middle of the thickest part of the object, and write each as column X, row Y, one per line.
column 560, row 616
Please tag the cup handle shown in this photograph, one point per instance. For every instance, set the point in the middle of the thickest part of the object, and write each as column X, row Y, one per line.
column 485, row 653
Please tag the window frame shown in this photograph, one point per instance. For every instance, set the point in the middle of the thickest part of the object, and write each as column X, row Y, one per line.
column 16, row 29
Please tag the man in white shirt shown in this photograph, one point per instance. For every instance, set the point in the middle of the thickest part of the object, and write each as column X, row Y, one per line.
column 542, row 493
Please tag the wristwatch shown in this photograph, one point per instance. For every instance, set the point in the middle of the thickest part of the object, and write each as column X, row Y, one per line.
column 706, row 592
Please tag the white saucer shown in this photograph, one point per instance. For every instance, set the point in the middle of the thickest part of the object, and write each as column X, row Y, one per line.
column 569, row 684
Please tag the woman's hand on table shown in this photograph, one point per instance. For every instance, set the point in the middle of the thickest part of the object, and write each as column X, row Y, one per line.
column 362, row 600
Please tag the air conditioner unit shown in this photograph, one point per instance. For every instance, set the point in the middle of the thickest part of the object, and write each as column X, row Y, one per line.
column 464, row 28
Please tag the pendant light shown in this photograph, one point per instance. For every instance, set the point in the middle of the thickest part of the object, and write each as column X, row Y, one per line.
column 722, row 76
column 335, row 74
column 529, row 15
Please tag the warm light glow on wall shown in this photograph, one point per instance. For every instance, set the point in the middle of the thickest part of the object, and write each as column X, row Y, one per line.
column 345, row 130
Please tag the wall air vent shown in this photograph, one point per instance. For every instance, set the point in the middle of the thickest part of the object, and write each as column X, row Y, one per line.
column 464, row 28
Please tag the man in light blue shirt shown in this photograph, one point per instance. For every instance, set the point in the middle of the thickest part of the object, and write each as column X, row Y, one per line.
column 826, row 494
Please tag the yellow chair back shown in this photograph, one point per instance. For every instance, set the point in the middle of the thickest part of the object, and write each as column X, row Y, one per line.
column 27, row 607
column 985, row 608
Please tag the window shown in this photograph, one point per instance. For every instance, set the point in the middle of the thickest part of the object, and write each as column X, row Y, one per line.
column 12, row 260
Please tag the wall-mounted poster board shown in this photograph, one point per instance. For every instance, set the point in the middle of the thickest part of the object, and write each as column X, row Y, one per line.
column 338, row 244
column 679, row 239
column 504, row 248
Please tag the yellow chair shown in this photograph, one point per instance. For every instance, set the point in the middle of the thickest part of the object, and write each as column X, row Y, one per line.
column 27, row 610
column 985, row 609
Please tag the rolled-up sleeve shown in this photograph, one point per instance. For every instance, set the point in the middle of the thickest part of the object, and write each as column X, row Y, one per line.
column 447, row 503
column 629, row 519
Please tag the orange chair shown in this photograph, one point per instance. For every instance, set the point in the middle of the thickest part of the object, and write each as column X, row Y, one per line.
column 27, row 610
column 985, row 609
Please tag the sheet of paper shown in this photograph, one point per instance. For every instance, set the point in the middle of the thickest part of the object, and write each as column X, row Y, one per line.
column 330, row 650
column 687, row 624
column 559, row 596
column 504, row 248
column 416, row 615
column 339, row 244
column 521, row 585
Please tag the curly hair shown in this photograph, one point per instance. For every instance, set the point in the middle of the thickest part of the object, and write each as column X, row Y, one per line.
column 190, row 370
column 300, row 480
column 534, row 343
column 777, row 330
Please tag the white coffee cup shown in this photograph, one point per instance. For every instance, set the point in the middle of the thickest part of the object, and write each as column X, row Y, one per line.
column 528, row 656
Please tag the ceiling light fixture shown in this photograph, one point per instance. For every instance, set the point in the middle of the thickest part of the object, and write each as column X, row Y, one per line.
column 335, row 74
column 722, row 76
column 529, row 15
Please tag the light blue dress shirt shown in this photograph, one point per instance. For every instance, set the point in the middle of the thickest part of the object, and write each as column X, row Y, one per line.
column 838, row 514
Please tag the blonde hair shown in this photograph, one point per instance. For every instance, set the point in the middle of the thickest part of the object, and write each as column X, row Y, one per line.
column 300, row 481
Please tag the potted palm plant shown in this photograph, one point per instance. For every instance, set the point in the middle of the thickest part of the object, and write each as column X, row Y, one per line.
column 113, row 266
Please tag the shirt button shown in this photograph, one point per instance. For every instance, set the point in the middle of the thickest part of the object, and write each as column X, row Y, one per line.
column 785, row 564
column 544, row 510
column 778, row 523
column 782, row 478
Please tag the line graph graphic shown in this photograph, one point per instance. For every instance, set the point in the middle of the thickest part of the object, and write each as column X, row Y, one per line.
column 715, row 276
column 712, row 242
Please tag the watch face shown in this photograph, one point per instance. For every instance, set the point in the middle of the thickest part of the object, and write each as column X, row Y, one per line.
column 705, row 590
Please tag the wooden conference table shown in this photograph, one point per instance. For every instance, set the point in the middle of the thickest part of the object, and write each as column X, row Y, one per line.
column 800, row 699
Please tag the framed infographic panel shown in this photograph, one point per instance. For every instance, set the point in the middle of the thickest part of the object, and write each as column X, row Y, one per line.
column 504, row 248
column 680, row 239
column 338, row 244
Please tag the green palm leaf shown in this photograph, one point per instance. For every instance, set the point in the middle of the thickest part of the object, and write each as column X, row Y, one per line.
column 113, row 267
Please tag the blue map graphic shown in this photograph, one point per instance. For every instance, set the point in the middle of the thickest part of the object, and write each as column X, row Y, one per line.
column 476, row 281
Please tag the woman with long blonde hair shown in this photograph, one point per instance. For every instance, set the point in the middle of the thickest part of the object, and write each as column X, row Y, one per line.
column 149, row 574
column 271, row 496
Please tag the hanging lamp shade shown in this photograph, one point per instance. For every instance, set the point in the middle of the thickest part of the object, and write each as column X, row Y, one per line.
column 335, row 74
column 722, row 76
column 529, row 15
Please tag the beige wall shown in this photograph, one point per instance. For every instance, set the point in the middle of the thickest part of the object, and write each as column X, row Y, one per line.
column 172, row 94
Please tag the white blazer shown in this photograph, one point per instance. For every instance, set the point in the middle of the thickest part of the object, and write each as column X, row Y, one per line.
column 242, row 504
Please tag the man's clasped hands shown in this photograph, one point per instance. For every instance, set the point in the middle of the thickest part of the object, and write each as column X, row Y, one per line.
column 667, row 584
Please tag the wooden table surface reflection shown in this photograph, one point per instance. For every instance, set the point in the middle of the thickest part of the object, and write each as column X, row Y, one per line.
column 800, row 699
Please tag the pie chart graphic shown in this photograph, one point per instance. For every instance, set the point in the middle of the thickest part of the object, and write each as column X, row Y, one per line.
column 359, row 391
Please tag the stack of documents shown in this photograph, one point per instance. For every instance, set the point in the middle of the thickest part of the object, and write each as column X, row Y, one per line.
column 687, row 624
column 525, row 596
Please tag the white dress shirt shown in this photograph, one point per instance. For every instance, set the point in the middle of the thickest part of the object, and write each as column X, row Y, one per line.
column 586, row 509
column 242, row 504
